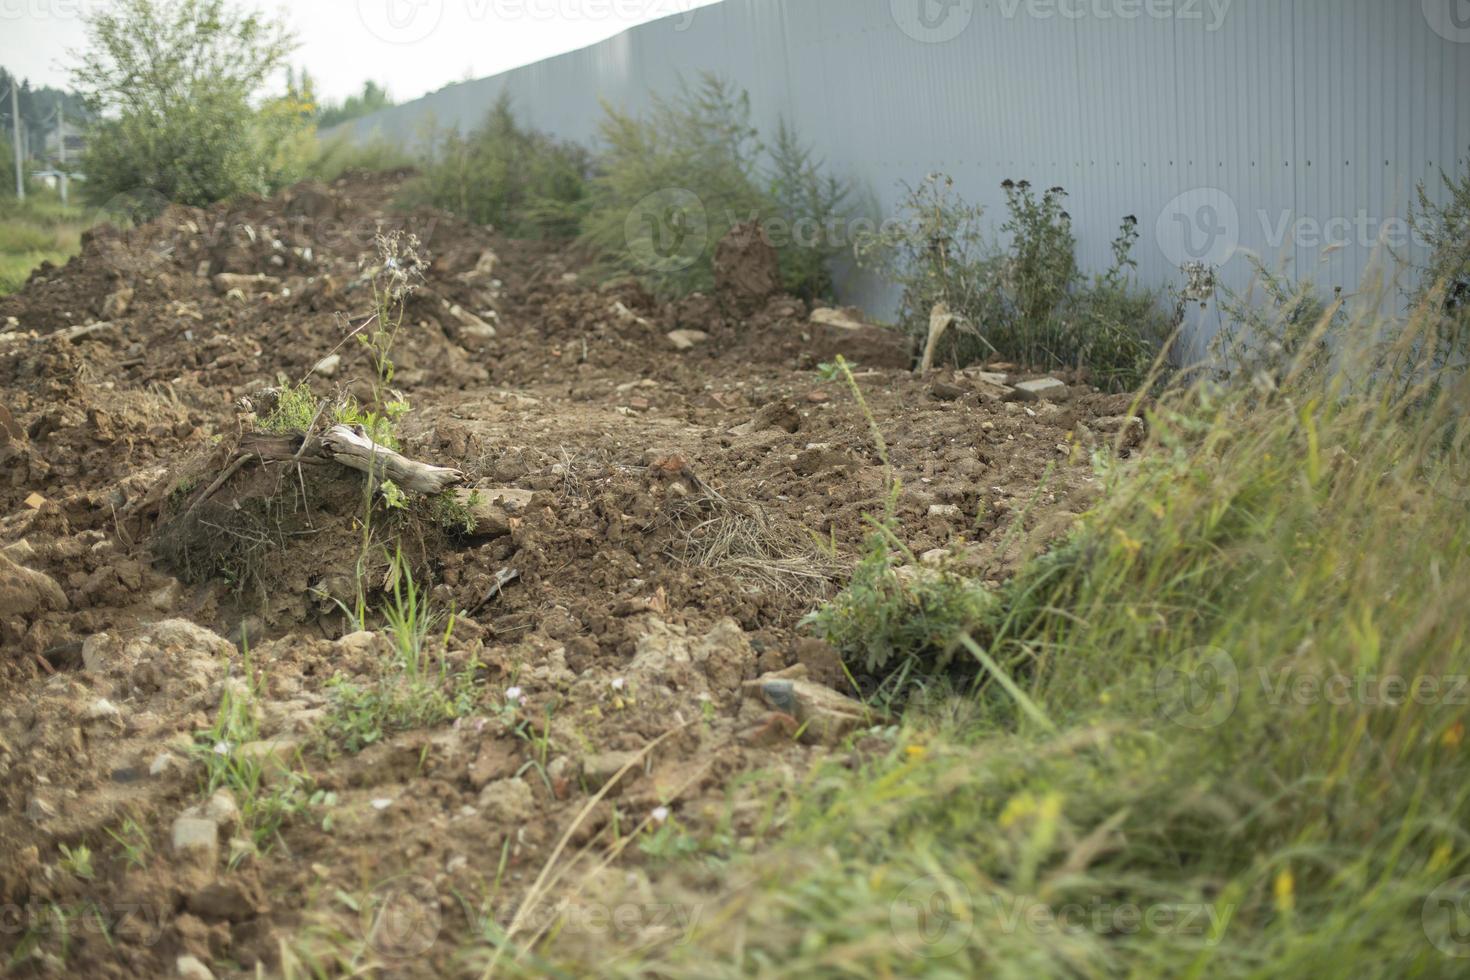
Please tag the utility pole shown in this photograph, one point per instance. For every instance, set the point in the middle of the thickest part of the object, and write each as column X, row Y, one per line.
column 61, row 133
column 20, row 172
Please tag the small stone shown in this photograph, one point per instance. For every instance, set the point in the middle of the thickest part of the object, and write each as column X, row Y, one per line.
column 602, row 767
column 189, row 968
column 103, row 710
column 1049, row 389
column 35, row 501
column 328, row 366
column 945, row 511
column 229, row 900
column 507, row 802
column 776, row 728
column 39, row 811
column 686, row 339
column 222, row 809
column 162, row 763
column 196, row 839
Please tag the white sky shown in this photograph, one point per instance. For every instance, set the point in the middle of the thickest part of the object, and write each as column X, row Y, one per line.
column 412, row 46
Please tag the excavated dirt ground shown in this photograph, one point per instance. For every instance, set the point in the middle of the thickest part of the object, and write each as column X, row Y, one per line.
column 687, row 508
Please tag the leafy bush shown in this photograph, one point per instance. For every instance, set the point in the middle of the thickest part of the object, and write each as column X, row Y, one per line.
column 373, row 98
column 1444, row 282
column 892, row 617
column 521, row 181
column 672, row 183
column 1026, row 301
column 182, row 86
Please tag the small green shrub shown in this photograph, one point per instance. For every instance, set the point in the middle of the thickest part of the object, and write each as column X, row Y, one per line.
column 411, row 691
column 521, row 181
column 892, row 617
column 1444, row 281
column 673, row 182
column 1026, row 300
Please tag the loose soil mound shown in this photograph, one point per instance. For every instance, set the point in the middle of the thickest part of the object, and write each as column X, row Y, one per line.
column 678, row 505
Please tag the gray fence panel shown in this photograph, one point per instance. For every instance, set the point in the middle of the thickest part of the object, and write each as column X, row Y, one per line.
column 1222, row 124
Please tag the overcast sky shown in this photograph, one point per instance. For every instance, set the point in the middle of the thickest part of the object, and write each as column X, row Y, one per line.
column 412, row 46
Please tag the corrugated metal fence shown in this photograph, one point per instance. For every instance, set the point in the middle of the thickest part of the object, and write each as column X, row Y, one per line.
column 1292, row 129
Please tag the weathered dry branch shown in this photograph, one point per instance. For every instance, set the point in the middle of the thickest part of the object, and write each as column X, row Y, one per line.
column 349, row 446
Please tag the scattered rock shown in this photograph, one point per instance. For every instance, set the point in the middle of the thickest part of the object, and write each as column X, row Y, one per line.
column 776, row 728
column 946, row 511
column 39, row 810
column 190, row 968
column 686, row 339
column 600, row 769
column 1049, row 389
column 507, row 802
column 228, row 282
column 103, row 711
column 328, row 366
column 846, row 318
column 231, row 900
column 25, row 592
column 196, row 839
column 826, row 717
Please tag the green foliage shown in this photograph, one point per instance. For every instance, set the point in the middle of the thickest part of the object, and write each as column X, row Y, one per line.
column 1252, row 658
column 294, row 413
column 1444, row 281
column 266, row 800
column 1026, row 300
column 521, row 181
column 672, row 183
column 411, row 691
column 180, row 93
column 341, row 154
column 39, row 230
column 894, row 616
column 373, row 98
column 1264, row 339
column 454, row 515
column 77, row 861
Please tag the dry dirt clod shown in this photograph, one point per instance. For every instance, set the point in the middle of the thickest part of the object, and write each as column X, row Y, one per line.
column 196, row 841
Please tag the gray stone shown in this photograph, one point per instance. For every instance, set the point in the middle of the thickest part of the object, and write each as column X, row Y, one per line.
column 507, row 802
column 602, row 767
column 1049, row 389
column 196, row 839
column 191, row 969
column 686, row 339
